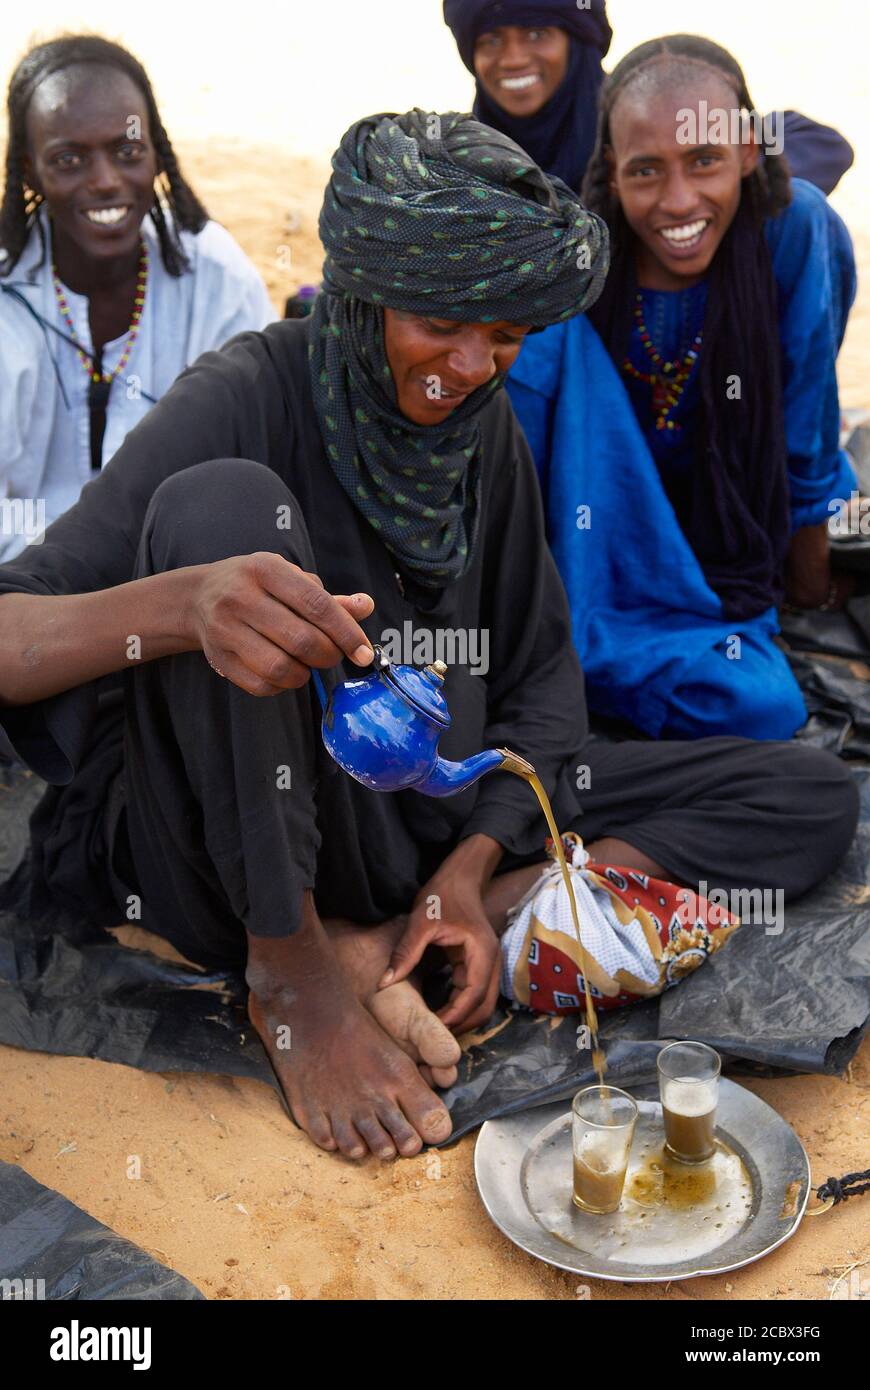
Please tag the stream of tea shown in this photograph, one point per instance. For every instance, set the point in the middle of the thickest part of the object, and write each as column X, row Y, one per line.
column 525, row 770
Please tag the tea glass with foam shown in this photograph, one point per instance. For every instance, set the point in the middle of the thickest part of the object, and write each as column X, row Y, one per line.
column 602, row 1127
column 689, row 1088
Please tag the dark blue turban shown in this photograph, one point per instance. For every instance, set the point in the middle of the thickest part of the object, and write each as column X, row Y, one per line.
column 470, row 18
column 561, row 136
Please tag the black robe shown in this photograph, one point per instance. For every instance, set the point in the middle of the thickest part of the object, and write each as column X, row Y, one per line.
column 725, row 810
column 252, row 400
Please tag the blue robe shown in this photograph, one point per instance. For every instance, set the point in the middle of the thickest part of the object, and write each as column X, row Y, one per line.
column 655, row 644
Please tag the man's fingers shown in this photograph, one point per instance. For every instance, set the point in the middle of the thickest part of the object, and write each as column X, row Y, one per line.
column 465, row 1009
column 231, row 668
column 258, row 665
column 408, row 951
column 357, row 605
column 291, row 634
column 474, row 999
column 311, row 602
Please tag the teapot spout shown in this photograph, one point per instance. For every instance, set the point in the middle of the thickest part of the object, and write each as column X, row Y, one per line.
column 446, row 778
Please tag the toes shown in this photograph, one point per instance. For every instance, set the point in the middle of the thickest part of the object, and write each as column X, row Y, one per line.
column 401, row 1012
column 430, row 1118
column 424, row 1114
column 434, row 1042
column 375, row 1136
column 405, row 1137
column 436, row 1125
column 316, row 1126
column 445, row 1076
column 391, row 1009
column 348, row 1139
column 439, row 1076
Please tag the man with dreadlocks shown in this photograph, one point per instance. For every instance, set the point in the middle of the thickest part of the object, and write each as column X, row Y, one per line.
column 111, row 283
column 688, row 442
column 291, row 498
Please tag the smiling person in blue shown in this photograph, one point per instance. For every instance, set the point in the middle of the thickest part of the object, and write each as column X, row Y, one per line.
column 686, row 432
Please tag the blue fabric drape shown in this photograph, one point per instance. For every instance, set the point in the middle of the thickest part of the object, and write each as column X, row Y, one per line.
column 816, row 152
column 651, row 634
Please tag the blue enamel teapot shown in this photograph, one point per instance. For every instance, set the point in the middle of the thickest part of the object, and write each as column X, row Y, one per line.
column 384, row 729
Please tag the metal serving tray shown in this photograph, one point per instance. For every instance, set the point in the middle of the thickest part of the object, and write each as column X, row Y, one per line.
column 675, row 1221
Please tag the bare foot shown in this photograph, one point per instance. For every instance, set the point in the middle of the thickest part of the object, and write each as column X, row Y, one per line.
column 364, row 953
column 348, row 1085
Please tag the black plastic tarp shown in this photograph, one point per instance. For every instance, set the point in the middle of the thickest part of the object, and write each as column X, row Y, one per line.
column 51, row 1249
column 794, row 1001
column 838, row 702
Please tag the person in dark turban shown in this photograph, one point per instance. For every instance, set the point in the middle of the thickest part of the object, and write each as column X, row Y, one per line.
column 537, row 65
column 351, row 478
column 477, row 227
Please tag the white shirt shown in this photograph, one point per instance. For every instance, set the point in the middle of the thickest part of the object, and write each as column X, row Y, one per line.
column 45, row 454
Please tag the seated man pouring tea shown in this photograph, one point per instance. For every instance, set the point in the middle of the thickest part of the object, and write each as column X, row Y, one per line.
column 293, row 496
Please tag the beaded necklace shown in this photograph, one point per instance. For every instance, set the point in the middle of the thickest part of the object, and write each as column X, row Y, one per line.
column 668, row 379
column 132, row 333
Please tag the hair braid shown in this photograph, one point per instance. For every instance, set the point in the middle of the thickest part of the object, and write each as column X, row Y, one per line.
column 737, row 449
column 20, row 205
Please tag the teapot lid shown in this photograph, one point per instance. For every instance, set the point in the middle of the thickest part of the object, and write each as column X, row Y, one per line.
column 420, row 688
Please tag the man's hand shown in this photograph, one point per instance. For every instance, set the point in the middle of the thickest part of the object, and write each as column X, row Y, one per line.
column 448, row 912
column 263, row 622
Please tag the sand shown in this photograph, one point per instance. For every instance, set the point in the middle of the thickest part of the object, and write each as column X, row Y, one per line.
column 230, row 1195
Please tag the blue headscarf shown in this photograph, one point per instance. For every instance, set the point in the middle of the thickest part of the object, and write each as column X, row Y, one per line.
column 561, row 136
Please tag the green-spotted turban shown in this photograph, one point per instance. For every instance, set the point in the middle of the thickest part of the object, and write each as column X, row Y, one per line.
column 430, row 212
column 442, row 217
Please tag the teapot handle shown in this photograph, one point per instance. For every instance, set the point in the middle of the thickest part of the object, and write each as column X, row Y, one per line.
column 319, row 687
column 379, row 661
